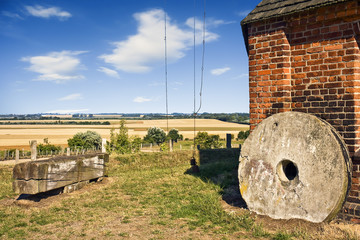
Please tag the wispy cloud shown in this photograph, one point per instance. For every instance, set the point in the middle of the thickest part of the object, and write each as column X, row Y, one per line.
column 57, row 67
column 243, row 75
column 219, row 71
column 142, row 99
column 140, row 51
column 72, row 97
column 11, row 15
column 109, row 72
column 68, row 111
column 244, row 13
column 43, row 12
column 155, row 84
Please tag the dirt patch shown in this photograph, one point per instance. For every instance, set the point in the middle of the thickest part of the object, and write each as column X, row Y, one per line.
column 43, row 200
column 309, row 230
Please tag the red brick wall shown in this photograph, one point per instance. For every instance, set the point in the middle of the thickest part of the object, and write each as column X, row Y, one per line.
column 310, row 62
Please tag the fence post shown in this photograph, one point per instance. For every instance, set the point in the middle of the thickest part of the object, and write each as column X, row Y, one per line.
column 171, row 145
column 103, row 145
column 17, row 156
column 228, row 140
column 33, row 144
column 180, row 147
column 67, row 151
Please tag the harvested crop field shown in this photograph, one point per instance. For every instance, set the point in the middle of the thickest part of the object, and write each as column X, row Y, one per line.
column 18, row 136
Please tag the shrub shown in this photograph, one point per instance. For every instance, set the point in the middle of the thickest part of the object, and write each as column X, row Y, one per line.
column 243, row 134
column 155, row 135
column 121, row 143
column 174, row 135
column 47, row 147
column 89, row 139
column 207, row 141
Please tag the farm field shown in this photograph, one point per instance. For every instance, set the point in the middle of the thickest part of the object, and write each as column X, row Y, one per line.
column 18, row 136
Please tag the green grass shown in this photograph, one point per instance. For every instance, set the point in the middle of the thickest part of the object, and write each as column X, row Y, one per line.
column 151, row 192
column 6, row 182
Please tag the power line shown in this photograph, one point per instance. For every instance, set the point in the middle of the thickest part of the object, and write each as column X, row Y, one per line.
column 166, row 75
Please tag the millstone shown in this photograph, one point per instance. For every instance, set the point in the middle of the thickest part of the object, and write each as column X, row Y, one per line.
column 294, row 165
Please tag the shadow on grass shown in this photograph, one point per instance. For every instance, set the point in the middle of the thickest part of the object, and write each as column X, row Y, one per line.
column 220, row 166
column 40, row 196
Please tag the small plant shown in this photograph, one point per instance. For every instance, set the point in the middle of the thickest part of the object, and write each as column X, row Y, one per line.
column 164, row 147
column 121, row 143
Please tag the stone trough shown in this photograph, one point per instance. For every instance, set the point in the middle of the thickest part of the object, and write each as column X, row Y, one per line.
column 66, row 172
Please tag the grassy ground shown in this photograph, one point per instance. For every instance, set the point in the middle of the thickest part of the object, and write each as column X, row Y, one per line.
column 146, row 196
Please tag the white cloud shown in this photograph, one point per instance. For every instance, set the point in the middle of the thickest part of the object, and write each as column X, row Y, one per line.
column 71, row 97
column 210, row 23
column 11, row 15
column 141, row 100
column 40, row 11
column 244, row 13
column 68, row 111
column 156, row 83
column 243, row 75
column 57, row 67
column 219, row 71
column 109, row 72
column 138, row 52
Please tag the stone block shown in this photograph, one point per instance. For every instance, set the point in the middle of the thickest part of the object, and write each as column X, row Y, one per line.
column 41, row 176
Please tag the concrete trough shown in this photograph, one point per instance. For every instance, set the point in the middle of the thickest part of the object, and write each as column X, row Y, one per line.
column 64, row 171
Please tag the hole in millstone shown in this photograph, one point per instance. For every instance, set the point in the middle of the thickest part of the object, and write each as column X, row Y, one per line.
column 287, row 170
column 290, row 170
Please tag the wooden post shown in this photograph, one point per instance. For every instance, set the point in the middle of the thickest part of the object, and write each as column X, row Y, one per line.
column 228, row 140
column 171, row 145
column 33, row 145
column 103, row 145
column 17, row 156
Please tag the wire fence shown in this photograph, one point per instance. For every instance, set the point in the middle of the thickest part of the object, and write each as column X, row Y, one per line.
column 11, row 154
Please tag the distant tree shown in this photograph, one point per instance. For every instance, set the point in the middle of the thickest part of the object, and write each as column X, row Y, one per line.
column 87, row 139
column 174, row 135
column 243, row 134
column 155, row 135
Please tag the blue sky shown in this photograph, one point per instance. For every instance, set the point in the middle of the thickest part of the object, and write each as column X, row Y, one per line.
column 108, row 56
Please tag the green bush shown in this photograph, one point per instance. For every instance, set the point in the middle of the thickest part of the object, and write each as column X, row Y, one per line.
column 207, row 141
column 121, row 143
column 243, row 134
column 47, row 147
column 155, row 135
column 89, row 139
column 174, row 135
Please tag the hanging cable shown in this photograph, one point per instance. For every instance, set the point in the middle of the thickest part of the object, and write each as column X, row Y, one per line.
column 194, row 114
column 166, row 75
column 203, row 57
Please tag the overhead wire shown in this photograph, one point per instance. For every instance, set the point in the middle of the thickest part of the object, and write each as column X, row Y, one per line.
column 202, row 68
column 166, row 73
column 194, row 113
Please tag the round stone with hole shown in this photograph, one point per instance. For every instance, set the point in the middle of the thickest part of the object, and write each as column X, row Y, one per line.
column 295, row 165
